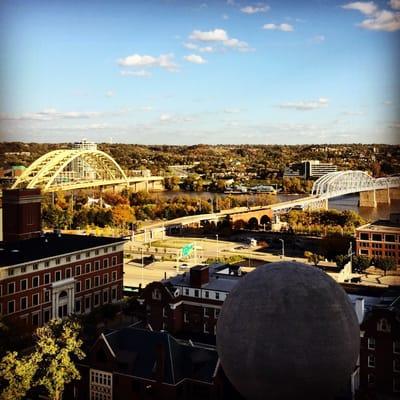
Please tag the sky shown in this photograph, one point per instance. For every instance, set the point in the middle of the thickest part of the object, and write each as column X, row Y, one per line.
column 211, row 71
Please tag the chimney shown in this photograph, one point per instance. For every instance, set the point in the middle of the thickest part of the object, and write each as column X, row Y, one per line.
column 21, row 214
column 199, row 276
column 360, row 309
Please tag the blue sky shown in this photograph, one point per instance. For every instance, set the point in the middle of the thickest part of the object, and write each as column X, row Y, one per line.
column 186, row 72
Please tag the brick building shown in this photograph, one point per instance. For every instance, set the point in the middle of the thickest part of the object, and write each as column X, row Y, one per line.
column 380, row 239
column 380, row 353
column 133, row 363
column 189, row 303
column 43, row 276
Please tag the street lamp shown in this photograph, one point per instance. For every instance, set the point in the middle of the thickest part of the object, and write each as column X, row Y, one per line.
column 283, row 248
column 217, row 247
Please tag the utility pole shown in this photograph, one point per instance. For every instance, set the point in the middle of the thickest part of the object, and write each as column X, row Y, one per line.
column 283, row 248
column 217, row 247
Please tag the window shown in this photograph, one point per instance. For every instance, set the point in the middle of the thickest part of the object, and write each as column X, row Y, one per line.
column 185, row 317
column 100, row 385
column 377, row 237
column 216, row 313
column 35, row 281
column 24, row 284
column 35, row 266
column 96, row 252
column 390, row 238
column 205, row 330
column 105, row 278
column 164, row 312
column 23, row 269
column 114, row 261
column 87, row 284
column 88, row 254
column 105, row 296
column 78, row 306
column 206, row 294
column 114, row 276
column 47, row 263
column 77, row 287
column 87, row 268
column 87, row 303
column 11, row 306
column 68, row 273
column 371, row 361
column 196, row 293
column 46, row 278
column 47, row 296
column 364, row 236
column 35, row 299
column 205, row 312
column 383, row 325
column 58, row 260
column 105, row 249
column 68, row 258
column 187, row 292
column 77, row 270
column 164, row 326
column 364, row 252
column 396, row 365
column 97, row 265
column 114, row 248
column 216, row 296
column 46, row 315
column 10, row 272
column 113, row 294
column 35, row 319
column 396, row 347
column 156, row 294
column 371, row 343
column 96, row 281
column 11, row 288
column 96, row 299
column 23, row 303
column 371, row 380
column 78, row 257
column 105, row 263
column 58, row 275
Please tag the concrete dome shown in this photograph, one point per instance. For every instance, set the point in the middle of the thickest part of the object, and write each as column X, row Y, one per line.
column 288, row 331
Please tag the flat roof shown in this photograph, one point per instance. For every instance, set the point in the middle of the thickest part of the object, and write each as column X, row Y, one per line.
column 49, row 245
column 381, row 225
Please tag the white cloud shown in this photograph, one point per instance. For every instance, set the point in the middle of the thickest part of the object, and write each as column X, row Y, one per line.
column 164, row 61
column 225, row 16
column 395, row 4
column 318, row 39
column 219, row 36
column 382, row 21
column 259, row 8
column 206, row 49
column 51, row 114
column 367, row 8
column 195, row 59
column 232, row 110
column 190, row 46
column 140, row 73
column 306, row 105
column 110, row 93
column 279, row 27
column 378, row 20
column 146, row 108
column 165, row 117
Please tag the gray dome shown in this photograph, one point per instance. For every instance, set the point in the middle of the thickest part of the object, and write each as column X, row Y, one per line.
column 288, row 331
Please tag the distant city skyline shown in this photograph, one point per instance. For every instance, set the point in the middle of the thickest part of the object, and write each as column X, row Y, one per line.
column 188, row 72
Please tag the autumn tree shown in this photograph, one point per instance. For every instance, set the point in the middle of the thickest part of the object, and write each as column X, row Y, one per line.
column 50, row 365
column 122, row 214
column 313, row 258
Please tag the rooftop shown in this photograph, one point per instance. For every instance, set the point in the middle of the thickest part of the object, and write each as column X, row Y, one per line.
column 137, row 352
column 49, row 245
column 381, row 226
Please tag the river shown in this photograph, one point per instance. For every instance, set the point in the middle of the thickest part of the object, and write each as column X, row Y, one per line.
column 348, row 202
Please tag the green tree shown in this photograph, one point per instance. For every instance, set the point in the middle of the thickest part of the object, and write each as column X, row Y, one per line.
column 313, row 258
column 342, row 260
column 385, row 263
column 360, row 263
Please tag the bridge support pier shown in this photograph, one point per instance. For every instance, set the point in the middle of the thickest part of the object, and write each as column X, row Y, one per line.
column 395, row 193
column 368, row 199
column 383, row 196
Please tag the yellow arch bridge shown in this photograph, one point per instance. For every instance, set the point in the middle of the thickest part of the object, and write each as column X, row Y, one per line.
column 69, row 169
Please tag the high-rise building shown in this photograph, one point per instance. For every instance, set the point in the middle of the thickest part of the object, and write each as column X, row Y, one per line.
column 309, row 169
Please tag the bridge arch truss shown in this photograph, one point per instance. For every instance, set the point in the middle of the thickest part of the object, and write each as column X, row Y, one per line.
column 71, row 169
column 345, row 182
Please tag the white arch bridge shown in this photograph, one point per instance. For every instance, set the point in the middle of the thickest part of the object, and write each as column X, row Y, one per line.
column 340, row 183
column 69, row 169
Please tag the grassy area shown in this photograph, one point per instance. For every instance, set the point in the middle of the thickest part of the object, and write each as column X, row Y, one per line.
column 171, row 243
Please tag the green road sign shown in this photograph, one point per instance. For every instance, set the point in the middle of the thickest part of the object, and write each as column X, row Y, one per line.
column 187, row 249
